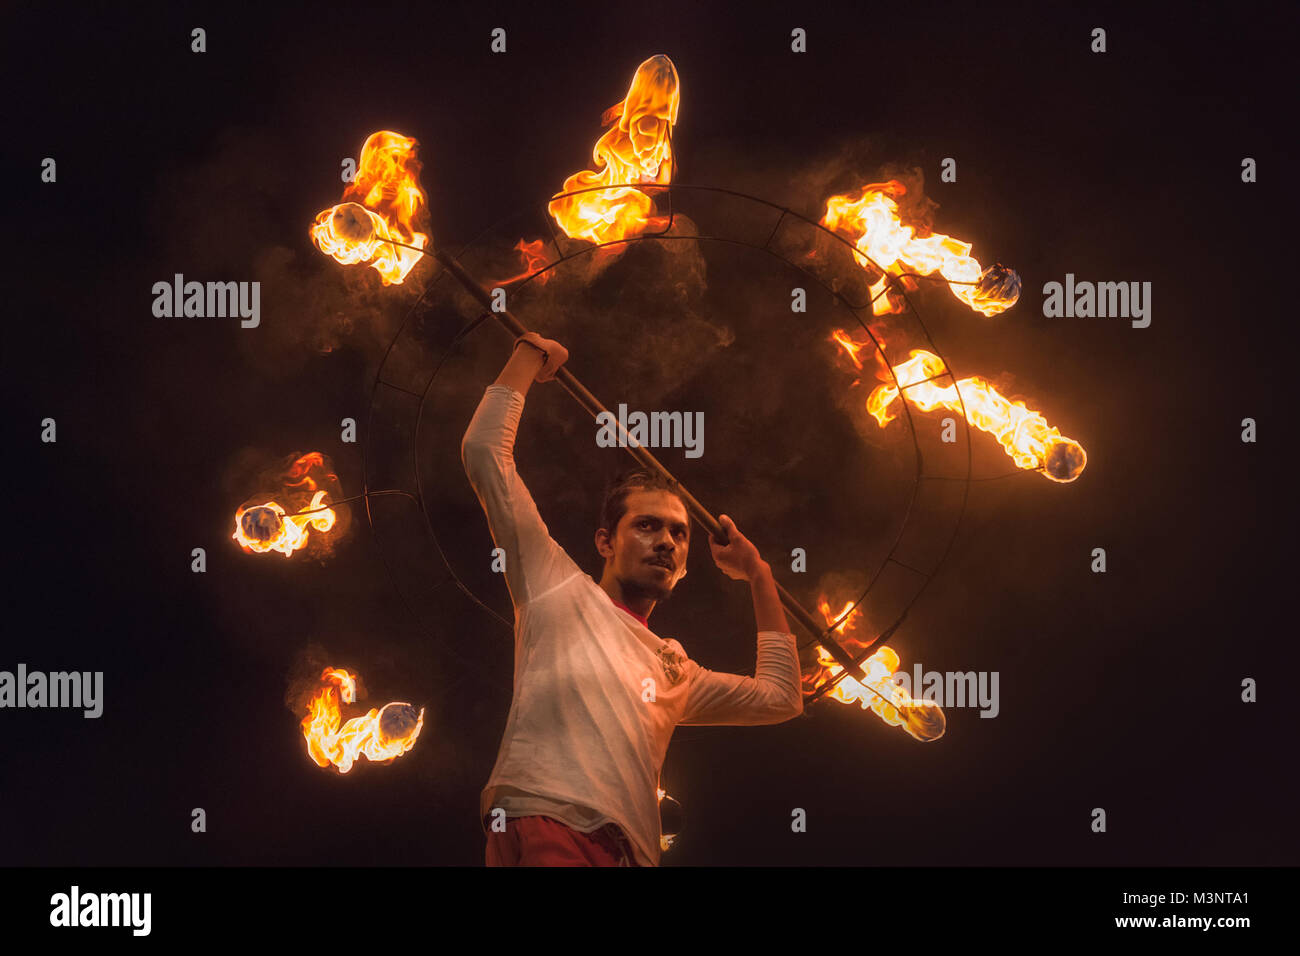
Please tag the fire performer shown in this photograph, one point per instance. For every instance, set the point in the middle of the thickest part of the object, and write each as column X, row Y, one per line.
column 597, row 694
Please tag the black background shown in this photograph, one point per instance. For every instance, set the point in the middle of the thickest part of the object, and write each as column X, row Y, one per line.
column 1119, row 691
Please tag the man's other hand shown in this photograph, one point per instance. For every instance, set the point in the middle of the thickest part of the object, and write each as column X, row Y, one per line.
column 739, row 560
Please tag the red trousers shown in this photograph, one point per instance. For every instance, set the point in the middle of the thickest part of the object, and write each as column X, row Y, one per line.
column 541, row 841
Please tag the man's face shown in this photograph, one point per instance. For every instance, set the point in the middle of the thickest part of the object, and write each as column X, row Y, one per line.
column 650, row 544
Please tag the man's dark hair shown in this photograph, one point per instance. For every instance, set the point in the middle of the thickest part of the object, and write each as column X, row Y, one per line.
column 623, row 484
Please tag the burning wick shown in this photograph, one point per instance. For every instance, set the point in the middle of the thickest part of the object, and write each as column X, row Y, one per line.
column 882, row 242
column 637, row 148
column 891, row 702
column 377, row 221
column 397, row 720
column 353, row 226
column 261, row 523
column 351, row 221
column 923, row 719
column 998, row 283
column 267, row 527
column 1023, row 433
column 380, row 735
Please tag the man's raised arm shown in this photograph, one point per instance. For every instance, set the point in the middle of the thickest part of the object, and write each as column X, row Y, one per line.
column 534, row 562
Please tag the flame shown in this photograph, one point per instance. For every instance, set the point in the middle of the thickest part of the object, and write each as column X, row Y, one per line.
column 850, row 346
column 872, row 221
column 1022, row 432
column 923, row 719
column 384, row 201
column 329, row 743
column 636, row 149
column 267, row 526
column 534, row 257
column 287, row 532
column 313, row 459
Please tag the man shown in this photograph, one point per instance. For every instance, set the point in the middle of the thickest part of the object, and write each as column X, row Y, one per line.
column 596, row 693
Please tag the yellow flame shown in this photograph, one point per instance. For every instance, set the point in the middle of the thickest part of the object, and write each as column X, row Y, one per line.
column 871, row 220
column 331, row 741
column 286, row 532
column 383, row 202
column 292, row 533
column 1023, row 433
column 636, row 149
column 923, row 719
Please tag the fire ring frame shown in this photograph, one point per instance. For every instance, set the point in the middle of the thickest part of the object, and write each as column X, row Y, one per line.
column 557, row 244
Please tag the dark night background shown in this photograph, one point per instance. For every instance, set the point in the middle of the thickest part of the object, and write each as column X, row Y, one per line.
column 1119, row 690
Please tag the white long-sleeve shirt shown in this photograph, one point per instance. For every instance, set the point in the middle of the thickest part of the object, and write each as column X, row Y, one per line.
column 596, row 693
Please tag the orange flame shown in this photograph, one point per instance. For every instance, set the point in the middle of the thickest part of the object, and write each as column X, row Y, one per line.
column 636, row 149
column 283, row 532
column 872, row 221
column 329, row 743
column 383, row 202
column 266, row 526
column 534, row 257
column 850, row 346
column 923, row 719
column 1023, row 433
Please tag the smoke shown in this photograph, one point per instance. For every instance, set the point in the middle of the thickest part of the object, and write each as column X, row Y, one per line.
column 242, row 213
column 803, row 182
column 639, row 309
column 315, row 307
